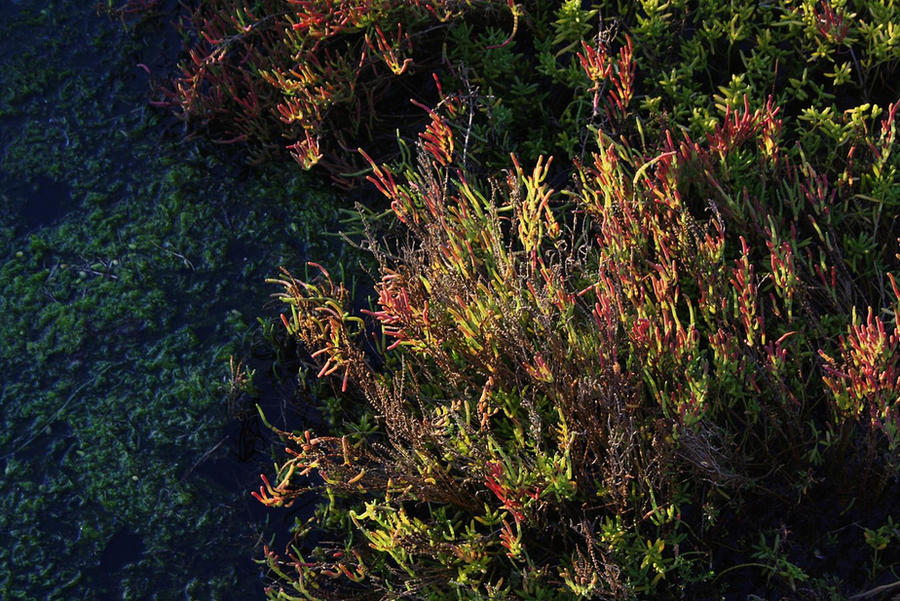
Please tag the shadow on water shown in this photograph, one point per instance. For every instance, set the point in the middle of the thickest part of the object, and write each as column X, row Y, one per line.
column 39, row 202
column 124, row 548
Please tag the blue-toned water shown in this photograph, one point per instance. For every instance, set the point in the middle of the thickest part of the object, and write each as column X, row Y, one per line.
column 132, row 265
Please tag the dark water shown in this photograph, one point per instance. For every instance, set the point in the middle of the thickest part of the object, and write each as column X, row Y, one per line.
column 42, row 201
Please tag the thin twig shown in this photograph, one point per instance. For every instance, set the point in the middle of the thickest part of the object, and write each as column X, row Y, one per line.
column 203, row 458
column 875, row 591
column 37, row 430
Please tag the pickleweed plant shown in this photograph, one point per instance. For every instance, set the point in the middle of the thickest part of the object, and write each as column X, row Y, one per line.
column 279, row 74
column 618, row 373
column 563, row 377
column 318, row 77
column 489, row 444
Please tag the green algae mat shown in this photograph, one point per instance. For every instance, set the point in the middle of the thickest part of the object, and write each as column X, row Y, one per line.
column 132, row 267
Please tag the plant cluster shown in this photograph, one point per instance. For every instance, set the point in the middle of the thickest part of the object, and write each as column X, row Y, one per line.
column 318, row 77
column 666, row 363
column 571, row 387
column 321, row 77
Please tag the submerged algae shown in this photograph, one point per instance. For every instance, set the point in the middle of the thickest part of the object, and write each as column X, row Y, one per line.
column 131, row 268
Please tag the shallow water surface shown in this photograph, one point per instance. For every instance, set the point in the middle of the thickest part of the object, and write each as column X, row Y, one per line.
column 132, row 266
